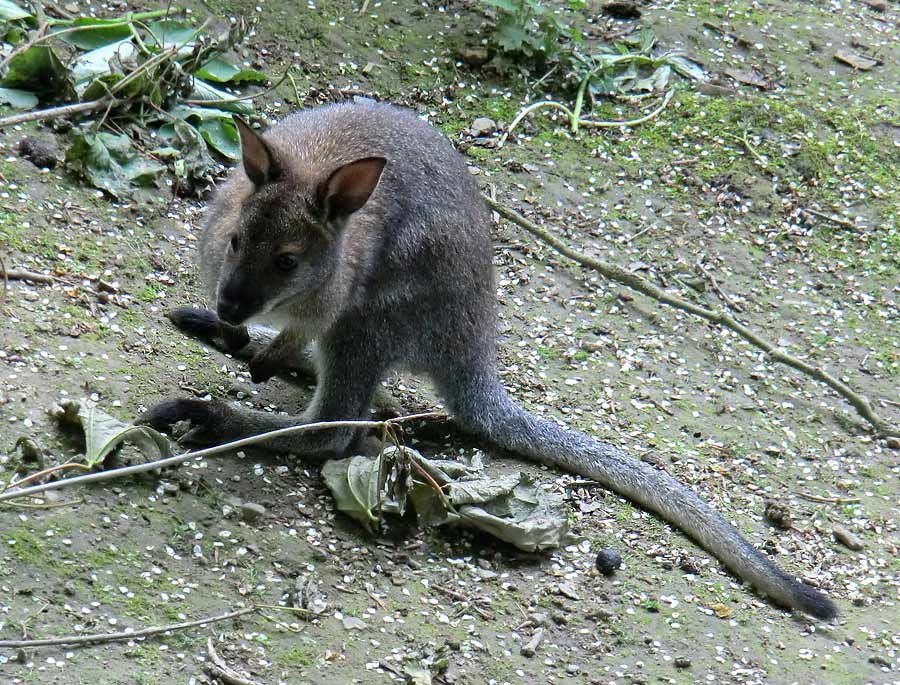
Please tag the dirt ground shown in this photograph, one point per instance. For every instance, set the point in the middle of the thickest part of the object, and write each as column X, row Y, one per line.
column 742, row 177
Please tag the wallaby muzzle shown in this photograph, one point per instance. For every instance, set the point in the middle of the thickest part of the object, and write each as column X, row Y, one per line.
column 237, row 301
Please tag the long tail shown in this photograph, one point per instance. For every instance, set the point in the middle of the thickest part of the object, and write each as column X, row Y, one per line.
column 482, row 407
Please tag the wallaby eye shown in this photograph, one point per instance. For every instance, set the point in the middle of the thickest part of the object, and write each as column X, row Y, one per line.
column 286, row 262
column 235, row 242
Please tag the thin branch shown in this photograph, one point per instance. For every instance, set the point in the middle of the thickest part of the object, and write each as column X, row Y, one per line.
column 575, row 121
column 616, row 273
column 833, row 219
column 54, row 112
column 22, row 275
column 119, row 637
column 827, row 500
column 208, row 452
column 228, row 101
column 718, row 290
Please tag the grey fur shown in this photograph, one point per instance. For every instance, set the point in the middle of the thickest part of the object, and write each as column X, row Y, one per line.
column 407, row 281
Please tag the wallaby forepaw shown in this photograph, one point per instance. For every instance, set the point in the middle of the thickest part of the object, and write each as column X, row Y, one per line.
column 208, row 422
column 263, row 367
column 200, row 323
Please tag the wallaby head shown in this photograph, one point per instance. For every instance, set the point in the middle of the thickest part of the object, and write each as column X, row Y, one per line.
column 281, row 246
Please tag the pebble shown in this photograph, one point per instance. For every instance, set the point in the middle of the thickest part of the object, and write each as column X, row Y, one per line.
column 778, row 514
column 252, row 512
column 482, row 126
column 893, row 443
column 847, row 538
column 608, row 561
column 41, row 153
column 682, row 662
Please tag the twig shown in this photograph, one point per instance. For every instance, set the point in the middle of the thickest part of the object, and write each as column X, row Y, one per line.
column 743, row 140
column 39, row 35
column 228, row 101
column 54, row 112
column 5, row 279
column 21, row 275
column 575, row 121
column 616, row 273
column 715, row 286
column 833, row 219
column 118, row 637
column 827, row 500
column 221, row 670
column 202, row 454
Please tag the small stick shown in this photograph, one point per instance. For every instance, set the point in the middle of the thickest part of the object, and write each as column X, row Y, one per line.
column 210, row 451
column 827, row 500
column 119, row 637
column 22, row 275
column 55, row 112
column 228, row 101
column 833, row 219
column 715, row 286
column 5, row 278
column 718, row 317
column 221, row 670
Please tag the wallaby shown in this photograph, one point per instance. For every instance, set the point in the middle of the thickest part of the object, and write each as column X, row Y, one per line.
column 358, row 228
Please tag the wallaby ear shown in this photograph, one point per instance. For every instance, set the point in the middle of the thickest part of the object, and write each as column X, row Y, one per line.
column 349, row 187
column 259, row 163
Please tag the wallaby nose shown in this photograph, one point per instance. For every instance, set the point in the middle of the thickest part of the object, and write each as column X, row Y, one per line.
column 229, row 310
column 233, row 303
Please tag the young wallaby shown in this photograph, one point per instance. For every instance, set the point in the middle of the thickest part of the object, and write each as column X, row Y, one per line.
column 358, row 228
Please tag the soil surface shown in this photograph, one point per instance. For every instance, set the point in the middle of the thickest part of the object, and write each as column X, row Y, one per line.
column 786, row 193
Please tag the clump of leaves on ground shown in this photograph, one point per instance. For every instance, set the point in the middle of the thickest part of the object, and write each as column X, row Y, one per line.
column 146, row 93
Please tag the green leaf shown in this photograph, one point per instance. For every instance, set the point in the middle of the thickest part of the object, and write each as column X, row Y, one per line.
column 108, row 161
column 354, row 484
column 18, row 99
column 105, row 60
column 96, row 32
column 510, row 36
column 214, row 125
column 39, row 70
column 10, row 11
column 505, row 5
column 204, row 92
column 220, row 71
column 103, row 433
column 687, row 68
column 195, row 163
column 658, row 80
column 169, row 33
column 222, row 136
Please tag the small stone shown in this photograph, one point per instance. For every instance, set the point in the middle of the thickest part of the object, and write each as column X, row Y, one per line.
column 893, row 443
column 539, row 619
column 170, row 489
column 41, row 153
column 482, row 126
column 573, row 669
column 353, row 623
column 473, row 57
column 608, row 561
column 778, row 514
column 847, row 538
column 252, row 512
column 682, row 662
column 529, row 649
